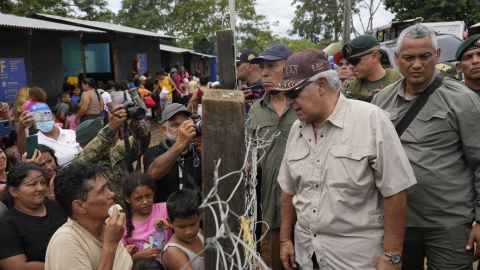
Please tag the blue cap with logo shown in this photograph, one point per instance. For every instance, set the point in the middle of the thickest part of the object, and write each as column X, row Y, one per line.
column 273, row 52
column 41, row 112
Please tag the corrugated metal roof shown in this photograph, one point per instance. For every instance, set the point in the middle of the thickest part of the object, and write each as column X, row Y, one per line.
column 7, row 20
column 106, row 26
column 173, row 49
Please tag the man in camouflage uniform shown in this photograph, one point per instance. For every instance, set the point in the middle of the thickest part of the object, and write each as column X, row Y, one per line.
column 101, row 149
column 468, row 53
column 363, row 53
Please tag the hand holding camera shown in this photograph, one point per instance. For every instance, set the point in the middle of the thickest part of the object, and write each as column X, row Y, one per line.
column 186, row 133
column 117, row 116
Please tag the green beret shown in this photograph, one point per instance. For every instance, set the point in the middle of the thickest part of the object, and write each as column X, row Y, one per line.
column 359, row 45
column 468, row 44
column 88, row 129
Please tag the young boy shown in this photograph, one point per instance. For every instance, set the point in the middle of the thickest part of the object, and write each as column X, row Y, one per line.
column 184, row 248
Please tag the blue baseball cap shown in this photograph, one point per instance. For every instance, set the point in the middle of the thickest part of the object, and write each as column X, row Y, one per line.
column 41, row 112
column 273, row 53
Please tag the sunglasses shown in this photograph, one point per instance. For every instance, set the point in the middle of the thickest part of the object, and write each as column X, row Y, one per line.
column 295, row 92
column 357, row 59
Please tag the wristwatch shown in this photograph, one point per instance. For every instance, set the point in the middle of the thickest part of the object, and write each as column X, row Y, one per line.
column 393, row 258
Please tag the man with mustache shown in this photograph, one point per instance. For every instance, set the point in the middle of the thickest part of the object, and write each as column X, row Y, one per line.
column 363, row 54
column 442, row 143
column 468, row 53
column 175, row 163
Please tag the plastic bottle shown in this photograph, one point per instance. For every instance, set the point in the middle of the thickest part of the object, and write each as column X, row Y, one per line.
column 158, row 242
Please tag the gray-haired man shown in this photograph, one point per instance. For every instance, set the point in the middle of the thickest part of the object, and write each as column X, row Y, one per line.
column 342, row 177
column 443, row 146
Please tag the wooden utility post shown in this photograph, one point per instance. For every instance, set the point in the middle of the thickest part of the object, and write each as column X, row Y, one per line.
column 347, row 20
column 223, row 136
column 226, row 58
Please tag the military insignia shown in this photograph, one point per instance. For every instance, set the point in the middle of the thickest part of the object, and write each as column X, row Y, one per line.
column 348, row 48
column 477, row 42
column 250, row 57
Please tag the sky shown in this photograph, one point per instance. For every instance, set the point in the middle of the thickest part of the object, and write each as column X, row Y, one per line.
column 283, row 12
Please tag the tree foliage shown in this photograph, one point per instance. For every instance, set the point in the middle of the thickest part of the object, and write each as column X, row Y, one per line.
column 317, row 19
column 191, row 20
column 436, row 10
column 83, row 9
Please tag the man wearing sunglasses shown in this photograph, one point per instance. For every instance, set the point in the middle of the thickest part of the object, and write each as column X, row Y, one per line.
column 363, row 54
column 443, row 145
column 271, row 119
column 342, row 177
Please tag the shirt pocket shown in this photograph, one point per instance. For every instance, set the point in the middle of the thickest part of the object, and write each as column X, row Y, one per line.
column 299, row 166
column 428, row 126
column 349, row 167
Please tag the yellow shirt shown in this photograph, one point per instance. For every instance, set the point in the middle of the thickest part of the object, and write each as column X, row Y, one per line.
column 165, row 83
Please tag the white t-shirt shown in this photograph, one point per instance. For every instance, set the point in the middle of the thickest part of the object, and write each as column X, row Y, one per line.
column 106, row 99
column 66, row 146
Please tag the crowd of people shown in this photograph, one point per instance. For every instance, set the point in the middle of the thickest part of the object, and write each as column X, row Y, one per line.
column 368, row 167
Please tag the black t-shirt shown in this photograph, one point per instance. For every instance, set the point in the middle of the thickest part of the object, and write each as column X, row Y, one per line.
column 190, row 164
column 24, row 234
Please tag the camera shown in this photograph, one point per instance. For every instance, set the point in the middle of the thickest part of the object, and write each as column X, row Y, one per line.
column 134, row 111
column 197, row 120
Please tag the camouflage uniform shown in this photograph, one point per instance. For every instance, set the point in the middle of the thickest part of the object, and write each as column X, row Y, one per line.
column 111, row 160
column 356, row 88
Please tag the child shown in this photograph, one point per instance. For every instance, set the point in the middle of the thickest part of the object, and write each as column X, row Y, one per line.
column 184, row 249
column 75, row 95
column 70, row 122
column 143, row 216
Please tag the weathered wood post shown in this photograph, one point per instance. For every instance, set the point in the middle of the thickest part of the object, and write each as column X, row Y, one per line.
column 226, row 59
column 223, row 135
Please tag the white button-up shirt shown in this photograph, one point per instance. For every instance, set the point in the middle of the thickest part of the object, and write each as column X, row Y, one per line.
column 65, row 147
column 338, row 179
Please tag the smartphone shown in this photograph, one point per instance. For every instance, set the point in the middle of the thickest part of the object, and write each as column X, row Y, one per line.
column 32, row 144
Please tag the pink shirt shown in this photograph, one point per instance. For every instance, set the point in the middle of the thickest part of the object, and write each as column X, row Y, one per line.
column 72, row 124
column 145, row 228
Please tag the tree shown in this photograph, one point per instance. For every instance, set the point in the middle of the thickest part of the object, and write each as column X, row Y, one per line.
column 371, row 6
column 317, row 19
column 191, row 20
column 82, row 9
column 436, row 10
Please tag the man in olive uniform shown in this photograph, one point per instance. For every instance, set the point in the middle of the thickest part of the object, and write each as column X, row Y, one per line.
column 363, row 53
column 468, row 53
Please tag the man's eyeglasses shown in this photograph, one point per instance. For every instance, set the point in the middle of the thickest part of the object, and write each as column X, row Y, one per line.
column 295, row 92
column 357, row 59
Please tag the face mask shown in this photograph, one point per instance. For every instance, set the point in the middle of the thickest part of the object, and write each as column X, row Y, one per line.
column 45, row 126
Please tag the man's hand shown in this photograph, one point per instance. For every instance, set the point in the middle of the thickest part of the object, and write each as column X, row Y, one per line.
column 116, row 117
column 114, row 228
column 474, row 238
column 26, row 120
column 248, row 97
column 384, row 264
column 287, row 255
column 186, row 133
column 198, row 143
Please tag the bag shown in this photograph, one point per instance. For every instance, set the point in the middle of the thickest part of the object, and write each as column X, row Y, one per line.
column 149, row 102
column 164, row 93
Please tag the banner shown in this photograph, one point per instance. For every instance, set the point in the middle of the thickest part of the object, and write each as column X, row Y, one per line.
column 12, row 77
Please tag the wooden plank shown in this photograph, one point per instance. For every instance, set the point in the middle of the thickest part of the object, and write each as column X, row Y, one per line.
column 226, row 59
column 223, row 136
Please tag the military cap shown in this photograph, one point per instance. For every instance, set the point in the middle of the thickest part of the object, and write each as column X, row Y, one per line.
column 470, row 43
column 88, row 129
column 246, row 56
column 359, row 46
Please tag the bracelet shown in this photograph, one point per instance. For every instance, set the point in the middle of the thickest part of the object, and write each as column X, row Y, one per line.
column 285, row 240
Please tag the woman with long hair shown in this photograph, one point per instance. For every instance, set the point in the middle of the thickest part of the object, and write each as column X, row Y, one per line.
column 91, row 103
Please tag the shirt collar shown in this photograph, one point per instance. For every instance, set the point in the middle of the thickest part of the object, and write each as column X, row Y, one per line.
column 337, row 118
column 401, row 90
